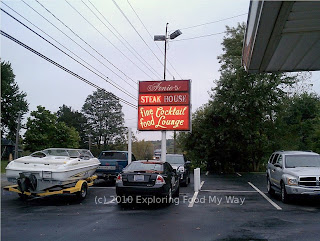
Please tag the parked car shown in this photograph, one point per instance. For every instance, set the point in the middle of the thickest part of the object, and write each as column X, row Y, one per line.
column 293, row 173
column 182, row 165
column 112, row 163
column 154, row 179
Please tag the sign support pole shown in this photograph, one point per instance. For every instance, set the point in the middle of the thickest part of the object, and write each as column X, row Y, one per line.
column 164, row 133
column 129, row 146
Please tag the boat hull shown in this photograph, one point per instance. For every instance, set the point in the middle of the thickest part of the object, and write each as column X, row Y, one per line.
column 50, row 179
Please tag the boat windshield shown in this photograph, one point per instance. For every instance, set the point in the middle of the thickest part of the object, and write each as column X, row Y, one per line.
column 56, row 152
column 72, row 153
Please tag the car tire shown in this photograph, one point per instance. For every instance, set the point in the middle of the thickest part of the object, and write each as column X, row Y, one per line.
column 23, row 197
column 284, row 196
column 168, row 199
column 82, row 194
column 177, row 193
column 269, row 187
column 186, row 183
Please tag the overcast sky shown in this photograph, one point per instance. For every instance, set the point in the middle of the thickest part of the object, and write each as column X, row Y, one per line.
column 51, row 87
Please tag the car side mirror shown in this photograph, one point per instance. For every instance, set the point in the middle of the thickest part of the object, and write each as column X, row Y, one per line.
column 188, row 162
column 278, row 165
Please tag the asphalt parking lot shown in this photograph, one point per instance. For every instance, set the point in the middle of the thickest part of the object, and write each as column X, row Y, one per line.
column 228, row 207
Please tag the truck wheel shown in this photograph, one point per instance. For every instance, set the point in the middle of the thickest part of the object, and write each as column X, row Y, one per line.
column 269, row 187
column 81, row 195
column 284, row 195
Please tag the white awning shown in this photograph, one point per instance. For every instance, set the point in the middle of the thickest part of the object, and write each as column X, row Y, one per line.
column 282, row 36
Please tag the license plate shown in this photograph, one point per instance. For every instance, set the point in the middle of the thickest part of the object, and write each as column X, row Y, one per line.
column 138, row 178
column 107, row 167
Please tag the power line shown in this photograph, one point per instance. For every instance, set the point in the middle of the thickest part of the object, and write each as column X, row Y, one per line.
column 145, row 63
column 74, row 41
column 106, row 38
column 152, row 37
column 203, row 36
column 106, row 78
column 138, row 33
column 87, row 44
column 198, row 25
column 65, row 69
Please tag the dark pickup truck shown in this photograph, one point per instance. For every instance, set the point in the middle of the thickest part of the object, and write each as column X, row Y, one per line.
column 112, row 163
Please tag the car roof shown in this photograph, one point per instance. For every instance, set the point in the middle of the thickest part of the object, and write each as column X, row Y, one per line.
column 174, row 154
column 150, row 161
column 296, row 153
column 116, row 151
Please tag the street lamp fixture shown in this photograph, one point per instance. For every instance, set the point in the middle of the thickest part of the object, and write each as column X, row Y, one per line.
column 175, row 34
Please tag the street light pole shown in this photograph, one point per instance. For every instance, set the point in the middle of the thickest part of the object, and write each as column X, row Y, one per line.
column 165, row 39
column 164, row 133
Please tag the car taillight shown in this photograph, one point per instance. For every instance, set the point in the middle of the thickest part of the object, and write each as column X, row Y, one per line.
column 119, row 178
column 160, row 180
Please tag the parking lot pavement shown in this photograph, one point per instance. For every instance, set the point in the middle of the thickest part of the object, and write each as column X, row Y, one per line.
column 227, row 208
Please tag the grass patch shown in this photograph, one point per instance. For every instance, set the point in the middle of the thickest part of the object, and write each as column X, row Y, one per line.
column 3, row 166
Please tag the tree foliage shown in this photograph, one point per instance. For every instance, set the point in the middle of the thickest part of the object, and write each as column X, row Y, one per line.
column 44, row 131
column 143, row 150
column 105, row 119
column 239, row 126
column 74, row 119
column 13, row 102
column 301, row 122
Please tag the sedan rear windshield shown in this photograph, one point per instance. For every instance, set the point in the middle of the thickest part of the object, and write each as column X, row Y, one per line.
column 113, row 155
column 293, row 161
column 144, row 167
column 175, row 159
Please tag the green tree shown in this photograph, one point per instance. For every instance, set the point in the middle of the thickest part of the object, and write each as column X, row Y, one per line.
column 105, row 119
column 237, row 128
column 44, row 131
column 143, row 150
column 75, row 119
column 13, row 102
column 301, row 122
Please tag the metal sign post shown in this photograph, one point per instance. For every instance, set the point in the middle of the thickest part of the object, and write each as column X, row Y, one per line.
column 129, row 146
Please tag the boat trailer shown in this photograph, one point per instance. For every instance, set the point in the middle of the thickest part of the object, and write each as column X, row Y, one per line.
column 80, row 188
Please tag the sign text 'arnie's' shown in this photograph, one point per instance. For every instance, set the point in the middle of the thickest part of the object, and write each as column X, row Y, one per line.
column 164, row 105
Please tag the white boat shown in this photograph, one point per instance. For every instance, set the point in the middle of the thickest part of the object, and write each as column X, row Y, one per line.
column 53, row 167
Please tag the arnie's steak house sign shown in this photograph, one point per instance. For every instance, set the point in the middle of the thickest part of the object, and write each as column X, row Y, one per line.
column 164, row 105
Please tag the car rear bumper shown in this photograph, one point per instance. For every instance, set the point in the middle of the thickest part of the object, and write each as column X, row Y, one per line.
column 298, row 190
column 106, row 175
column 156, row 190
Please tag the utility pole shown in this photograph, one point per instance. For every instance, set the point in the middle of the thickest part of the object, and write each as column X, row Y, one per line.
column 16, row 149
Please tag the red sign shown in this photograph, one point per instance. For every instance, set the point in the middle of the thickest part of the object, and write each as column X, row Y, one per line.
column 164, row 86
column 163, row 118
column 164, row 105
column 164, row 99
